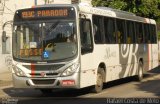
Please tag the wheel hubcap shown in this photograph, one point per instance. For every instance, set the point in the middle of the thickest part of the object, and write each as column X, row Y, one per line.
column 99, row 80
column 140, row 73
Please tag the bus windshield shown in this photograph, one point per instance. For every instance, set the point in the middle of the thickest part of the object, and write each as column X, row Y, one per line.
column 44, row 34
column 44, row 41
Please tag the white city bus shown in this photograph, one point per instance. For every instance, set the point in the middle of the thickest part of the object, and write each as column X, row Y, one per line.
column 76, row 46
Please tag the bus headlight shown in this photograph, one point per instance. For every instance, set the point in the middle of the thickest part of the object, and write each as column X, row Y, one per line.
column 18, row 71
column 71, row 70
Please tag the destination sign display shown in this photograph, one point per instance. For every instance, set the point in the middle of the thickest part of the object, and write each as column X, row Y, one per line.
column 45, row 13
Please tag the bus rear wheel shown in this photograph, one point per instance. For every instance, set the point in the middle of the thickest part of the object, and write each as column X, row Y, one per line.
column 139, row 77
column 99, row 81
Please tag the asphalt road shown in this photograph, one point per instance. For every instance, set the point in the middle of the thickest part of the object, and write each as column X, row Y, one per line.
column 123, row 88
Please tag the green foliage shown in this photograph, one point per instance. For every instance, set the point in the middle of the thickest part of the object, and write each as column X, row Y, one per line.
column 145, row 8
column 99, row 3
column 158, row 32
column 158, row 28
column 150, row 8
column 119, row 4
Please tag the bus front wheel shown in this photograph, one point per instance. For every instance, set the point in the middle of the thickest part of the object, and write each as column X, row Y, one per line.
column 99, row 81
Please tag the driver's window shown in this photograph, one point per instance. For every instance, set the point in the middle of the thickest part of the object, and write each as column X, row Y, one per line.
column 86, row 35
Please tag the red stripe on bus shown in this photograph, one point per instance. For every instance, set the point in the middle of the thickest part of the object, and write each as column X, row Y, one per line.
column 32, row 70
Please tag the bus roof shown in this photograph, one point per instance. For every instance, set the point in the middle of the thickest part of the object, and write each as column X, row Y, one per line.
column 103, row 11
column 115, row 13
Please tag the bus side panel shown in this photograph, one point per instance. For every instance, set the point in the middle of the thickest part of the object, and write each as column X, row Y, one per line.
column 128, row 59
column 109, row 55
column 154, row 55
column 113, row 67
column 130, row 55
column 87, row 72
column 121, row 61
column 151, row 59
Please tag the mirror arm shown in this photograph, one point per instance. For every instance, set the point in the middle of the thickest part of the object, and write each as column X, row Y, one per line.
column 4, row 37
column 8, row 22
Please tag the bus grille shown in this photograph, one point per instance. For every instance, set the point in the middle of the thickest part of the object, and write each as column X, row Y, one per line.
column 40, row 82
column 45, row 67
column 47, row 74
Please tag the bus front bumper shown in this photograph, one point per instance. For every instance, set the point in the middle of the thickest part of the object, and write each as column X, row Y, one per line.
column 58, row 82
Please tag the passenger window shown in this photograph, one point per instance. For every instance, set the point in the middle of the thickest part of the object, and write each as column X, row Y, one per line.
column 98, row 29
column 146, row 33
column 153, row 34
column 139, row 33
column 86, row 36
column 120, row 31
column 109, row 26
column 130, row 32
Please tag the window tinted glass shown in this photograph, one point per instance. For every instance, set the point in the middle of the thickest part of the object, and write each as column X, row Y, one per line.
column 146, row 33
column 139, row 32
column 98, row 29
column 120, row 31
column 86, row 36
column 109, row 26
column 153, row 34
column 130, row 32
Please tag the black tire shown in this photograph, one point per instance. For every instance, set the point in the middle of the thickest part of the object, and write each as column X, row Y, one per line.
column 139, row 76
column 99, row 83
column 46, row 91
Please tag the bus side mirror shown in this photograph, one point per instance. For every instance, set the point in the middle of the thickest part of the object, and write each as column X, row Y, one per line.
column 86, row 27
column 4, row 37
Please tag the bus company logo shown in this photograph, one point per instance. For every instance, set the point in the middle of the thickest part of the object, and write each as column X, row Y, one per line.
column 43, row 74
